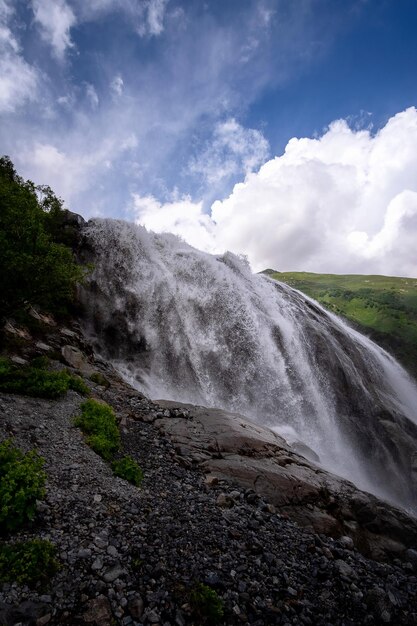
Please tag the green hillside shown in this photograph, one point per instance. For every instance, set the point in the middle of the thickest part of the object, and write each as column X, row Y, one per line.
column 383, row 307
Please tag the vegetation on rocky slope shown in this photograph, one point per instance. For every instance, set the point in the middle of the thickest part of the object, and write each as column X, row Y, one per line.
column 30, row 380
column 382, row 307
column 22, row 483
column 37, row 263
column 27, row 562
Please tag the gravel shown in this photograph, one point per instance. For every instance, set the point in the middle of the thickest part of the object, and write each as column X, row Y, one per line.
column 132, row 555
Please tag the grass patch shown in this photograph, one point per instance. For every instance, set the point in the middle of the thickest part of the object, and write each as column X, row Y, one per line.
column 98, row 422
column 207, row 606
column 36, row 380
column 28, row 562
column 128, row 469
column 22, row 482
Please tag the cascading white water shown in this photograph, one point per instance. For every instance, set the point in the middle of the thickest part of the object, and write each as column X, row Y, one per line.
column 185, row 325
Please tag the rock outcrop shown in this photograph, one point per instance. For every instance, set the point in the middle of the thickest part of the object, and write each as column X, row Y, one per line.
column 228, row 446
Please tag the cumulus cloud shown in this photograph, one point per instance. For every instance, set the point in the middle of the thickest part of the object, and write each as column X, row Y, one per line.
column 342, row 202
column 55, row 19
column 232, row 150
column 18, row 79
column 182, row 217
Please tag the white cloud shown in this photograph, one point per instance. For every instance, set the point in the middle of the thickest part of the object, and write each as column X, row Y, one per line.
column 233, row 150
column 55, row 18
column 18, row 82
column 116, row 85
column 18, row 79
column 182, row 217
column 155, row 16
column 92, row 96
column 146, row 16
column 71, row 171
column 344, row 202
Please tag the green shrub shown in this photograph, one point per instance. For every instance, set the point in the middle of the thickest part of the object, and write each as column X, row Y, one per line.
column 128, row 469
column 206, row 605
column 99, row 379
column 27, row 562
column 37, row 381
column 22, row 481
column 98, row 421
column 77, row 384
column 5, row 366
column 40, row 362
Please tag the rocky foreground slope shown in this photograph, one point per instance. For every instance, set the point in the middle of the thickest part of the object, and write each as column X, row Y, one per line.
column 217, row 506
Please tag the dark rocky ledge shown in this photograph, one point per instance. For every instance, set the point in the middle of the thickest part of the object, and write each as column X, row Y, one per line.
column 223, row 502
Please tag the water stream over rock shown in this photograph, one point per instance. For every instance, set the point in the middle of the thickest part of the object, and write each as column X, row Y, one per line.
column 184, row 325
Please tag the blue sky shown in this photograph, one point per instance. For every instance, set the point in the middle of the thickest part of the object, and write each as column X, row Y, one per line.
column 193, row 116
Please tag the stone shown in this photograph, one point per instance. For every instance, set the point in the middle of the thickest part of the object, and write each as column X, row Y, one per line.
column 343, row 568
column 84, row 553
column 76, row 359
column 211, row 481
column 113, row 573
column 43, row 346
column 17, row 360
column 135, row 607
column 224, row 501
column 347, row 542
column 98, row 564
column 112, row 551
column 411, row 556
column 152, row 616
column 46, row 598
column 98, row 612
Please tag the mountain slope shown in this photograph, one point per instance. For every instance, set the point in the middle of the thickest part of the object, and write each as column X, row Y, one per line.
column 383, row 307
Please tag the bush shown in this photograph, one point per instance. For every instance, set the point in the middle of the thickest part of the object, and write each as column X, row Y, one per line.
column 22, row 481
column 99, row 379
column 206, row 605
column 77, row 384
column 128, row 469
column 40, row 362
column 98, row 420
column 37, row 381
column 27, row 562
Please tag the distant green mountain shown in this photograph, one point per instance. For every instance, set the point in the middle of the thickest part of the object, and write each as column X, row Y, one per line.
column 382, row 307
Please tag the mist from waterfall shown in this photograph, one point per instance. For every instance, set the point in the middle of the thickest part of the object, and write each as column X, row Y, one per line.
column 184, row 325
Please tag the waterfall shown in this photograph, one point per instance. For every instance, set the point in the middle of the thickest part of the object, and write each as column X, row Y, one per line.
column 184, row 325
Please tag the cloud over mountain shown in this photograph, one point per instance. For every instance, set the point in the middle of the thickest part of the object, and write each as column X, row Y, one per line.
column 342, row 202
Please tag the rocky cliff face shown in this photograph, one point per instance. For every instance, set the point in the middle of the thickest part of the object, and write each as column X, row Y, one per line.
column 217, row 506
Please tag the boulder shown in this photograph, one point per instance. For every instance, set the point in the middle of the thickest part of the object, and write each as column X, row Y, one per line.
column 76, row 359
column 228, row 446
